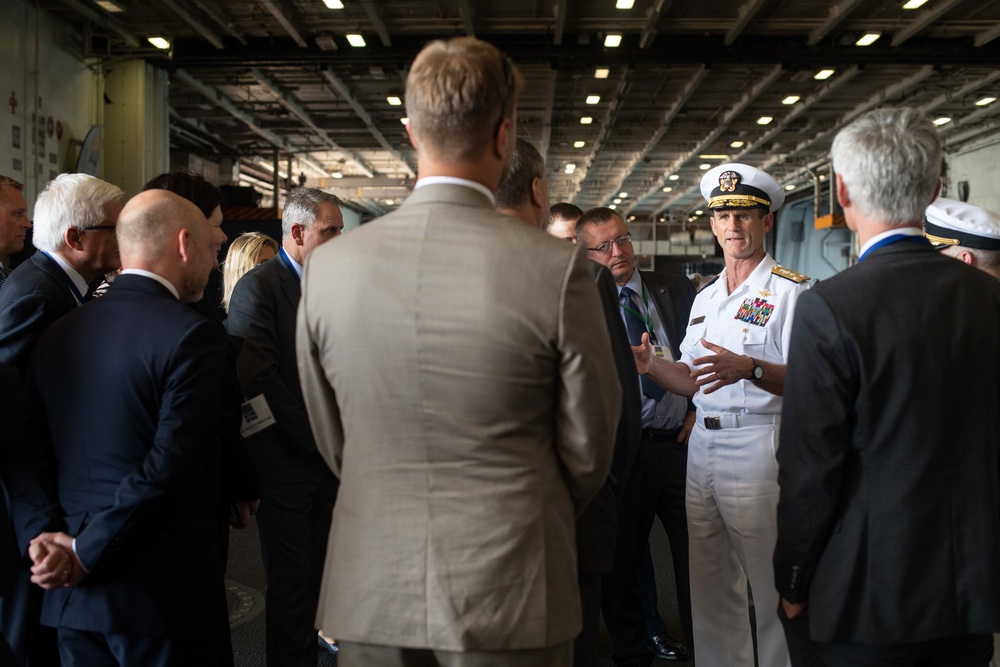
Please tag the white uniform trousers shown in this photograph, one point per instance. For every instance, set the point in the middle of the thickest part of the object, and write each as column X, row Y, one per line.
column 732, row 500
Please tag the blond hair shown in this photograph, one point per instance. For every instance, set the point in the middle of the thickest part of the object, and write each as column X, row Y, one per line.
column 457, row 94
column 241, row 257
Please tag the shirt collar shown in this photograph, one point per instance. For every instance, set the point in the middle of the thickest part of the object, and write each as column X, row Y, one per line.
column 454, row 180
column 292, row 263
column 158, row 278
column 71, row 273
column 634, row 283
column 895, row 231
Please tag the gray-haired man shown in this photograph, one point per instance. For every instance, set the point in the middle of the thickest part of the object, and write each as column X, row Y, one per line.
column 298, row 487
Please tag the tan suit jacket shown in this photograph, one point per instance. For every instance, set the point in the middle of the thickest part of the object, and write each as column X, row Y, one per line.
column 457, row 385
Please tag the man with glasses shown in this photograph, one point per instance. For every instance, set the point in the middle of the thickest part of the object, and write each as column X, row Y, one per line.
column 657, row 305
column 733, row 364
column 75, row 219
column 460, row 391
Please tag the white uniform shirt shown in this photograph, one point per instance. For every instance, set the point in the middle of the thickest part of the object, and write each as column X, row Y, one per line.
column 755, row 320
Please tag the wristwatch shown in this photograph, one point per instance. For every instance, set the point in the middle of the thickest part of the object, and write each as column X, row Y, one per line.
column 756, row 373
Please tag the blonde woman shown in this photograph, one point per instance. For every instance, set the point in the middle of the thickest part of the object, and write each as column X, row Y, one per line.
column 246, row 251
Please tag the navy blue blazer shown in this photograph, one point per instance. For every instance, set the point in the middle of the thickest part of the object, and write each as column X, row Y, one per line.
column 132, row 387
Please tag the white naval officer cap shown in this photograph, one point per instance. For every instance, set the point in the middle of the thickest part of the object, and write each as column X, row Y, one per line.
column 735, row 185
column 949, row 222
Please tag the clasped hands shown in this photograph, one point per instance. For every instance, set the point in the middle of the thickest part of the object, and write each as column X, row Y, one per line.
column 722, row 368
column 54, row 564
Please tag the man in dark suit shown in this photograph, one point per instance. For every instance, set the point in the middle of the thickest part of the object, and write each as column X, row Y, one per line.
column 14, row 222
column 523, row 194
column 75, row 220
column 127, row 480
column 659, row 304
column 888, row 539
column 298, row 488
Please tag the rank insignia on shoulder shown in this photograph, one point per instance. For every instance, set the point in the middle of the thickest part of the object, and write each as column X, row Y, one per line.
column 788, row 274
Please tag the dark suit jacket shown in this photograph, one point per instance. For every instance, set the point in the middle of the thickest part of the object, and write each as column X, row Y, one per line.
column 673, row 295
column 35, row 295
column 596, row 527
column 132, row 388
column 262, row 312
column 889, row 516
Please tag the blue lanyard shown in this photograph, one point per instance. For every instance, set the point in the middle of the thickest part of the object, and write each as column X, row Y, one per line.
column 288, row 262
column 69, row 281
column 889, row 240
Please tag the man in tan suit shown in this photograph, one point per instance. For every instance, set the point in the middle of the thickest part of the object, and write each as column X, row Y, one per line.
column 456, row 387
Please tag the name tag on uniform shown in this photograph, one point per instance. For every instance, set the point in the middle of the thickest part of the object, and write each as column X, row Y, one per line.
column 256, row 416
column 663, row 352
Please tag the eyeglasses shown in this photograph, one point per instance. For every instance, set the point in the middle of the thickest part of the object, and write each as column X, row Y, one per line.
column 605, row 247
column 110, row 228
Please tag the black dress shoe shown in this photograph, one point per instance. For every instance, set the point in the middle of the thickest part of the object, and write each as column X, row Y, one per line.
column 666, row 647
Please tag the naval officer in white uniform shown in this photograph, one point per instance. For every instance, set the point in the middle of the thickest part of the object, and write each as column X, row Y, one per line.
column 733, row 363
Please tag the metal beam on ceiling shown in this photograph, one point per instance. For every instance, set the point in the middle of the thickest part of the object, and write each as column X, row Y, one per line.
column 837, row 14
column 969, row 87
column 221, row 22
column 372, row 11
column 561, row 8
column 465, row 10
column 278, row 12
column 746, row 13
column 345, row 93
column 216, row 97
column 987, row 36
column 923, row 20
column 652, row 20
column 199, row 27
column 104, row 21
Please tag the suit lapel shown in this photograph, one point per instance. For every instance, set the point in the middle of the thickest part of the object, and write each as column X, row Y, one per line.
column 289, row 282
column 665, row 309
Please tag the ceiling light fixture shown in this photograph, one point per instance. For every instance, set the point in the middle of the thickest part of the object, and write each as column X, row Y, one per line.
column 913, row 4
column 613, row 40
column 355, row 39
column 985, row 101
column 791, row 99
column 868, row 39
column 613, row 206
column 601, row 73
column 389, row 202
column 699, row 212
column 790, row 186
column 618, row 201
column 623, row 195
column 159, row 42
column 394, row 101
column 737, row 144
column 624, row 4
column 713, row 156
column 337, row 174
column 404, row 120
column 110, row 6
column 579, row 144
column 586, row 120
column 593, row 99
column 764, row 120
column 943, row 120
column 333, row 4
column 824, row 74
column 668, row 189
column 672, row 177
column 705, row 167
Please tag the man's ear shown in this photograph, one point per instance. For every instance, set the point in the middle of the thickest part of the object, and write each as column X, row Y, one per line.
column 183, row 244
column 966, row 256
column 843, row 196
column 409, row 133
column 536, row 192
column 297, row 232
column 501, row 141
column 768, row 221
column 72, row 238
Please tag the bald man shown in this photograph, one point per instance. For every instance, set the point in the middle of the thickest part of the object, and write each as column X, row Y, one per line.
column 130, row 493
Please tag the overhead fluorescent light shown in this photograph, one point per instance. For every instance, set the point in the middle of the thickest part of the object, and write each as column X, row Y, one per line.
column 159, row 42
column 404, row 120
column 394, row 101
column 613, row 206
column 570, row 166
column 617, row 201
column 791, row 99
column 868, row 39
column 737, row 144
column 943, row 120
column 712, row 156
column 601, row 73
column 337, row 174
column 110, row 6
column 790, row 186
column 333, row 4
column 624, row 4
column 699, row 212
column 668, row 189
column 355, row 40
column 985, row 101
column 623, row 195
column 586, row 120
column 389, row 202
column 613, row 40
column 824, row 74
column 913, row 4
column 764, row 120
column 579, row 144
column 672, row 177
column 705, row 167
column 593, row 99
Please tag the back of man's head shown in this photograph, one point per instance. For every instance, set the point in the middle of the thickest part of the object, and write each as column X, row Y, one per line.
column 890, row 162
column 595, row 216
column 300, row 208
column 193, row 187
column 518, row 184
column 70, row 200
column 562, row 220
column 457, row 94
column 148, row 225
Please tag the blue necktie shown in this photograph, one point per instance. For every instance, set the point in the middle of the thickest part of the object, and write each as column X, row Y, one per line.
column 636, row 327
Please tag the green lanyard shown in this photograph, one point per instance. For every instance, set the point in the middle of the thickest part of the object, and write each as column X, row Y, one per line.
column 647, row 318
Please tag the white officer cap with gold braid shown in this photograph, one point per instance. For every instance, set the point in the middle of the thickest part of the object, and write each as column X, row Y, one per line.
column 735, row 185
column 949, row 222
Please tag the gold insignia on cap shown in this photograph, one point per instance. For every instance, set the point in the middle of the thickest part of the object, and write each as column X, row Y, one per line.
column 788, row 274
column 728, row 180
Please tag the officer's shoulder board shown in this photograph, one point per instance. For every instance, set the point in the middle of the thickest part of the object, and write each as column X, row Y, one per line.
column 788, row 274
